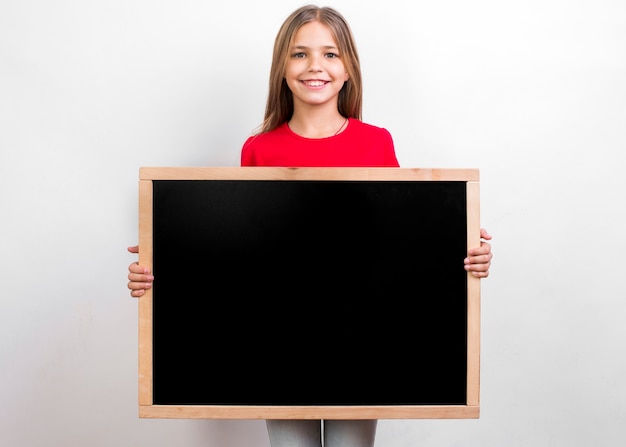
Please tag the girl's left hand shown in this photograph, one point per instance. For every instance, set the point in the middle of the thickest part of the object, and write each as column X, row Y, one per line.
column 478, row 259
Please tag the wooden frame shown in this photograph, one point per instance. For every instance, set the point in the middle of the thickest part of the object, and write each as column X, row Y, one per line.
column 149, row 408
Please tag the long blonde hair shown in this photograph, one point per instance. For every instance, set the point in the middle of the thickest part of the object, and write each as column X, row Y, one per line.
column 279, row 106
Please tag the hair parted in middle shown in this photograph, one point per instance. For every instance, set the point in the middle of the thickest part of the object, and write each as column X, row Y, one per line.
column 279, row 107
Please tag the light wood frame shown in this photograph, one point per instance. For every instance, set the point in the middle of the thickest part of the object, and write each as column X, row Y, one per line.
column 149, row 410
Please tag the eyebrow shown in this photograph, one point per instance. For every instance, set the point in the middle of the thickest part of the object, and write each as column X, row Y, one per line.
column 304, row 47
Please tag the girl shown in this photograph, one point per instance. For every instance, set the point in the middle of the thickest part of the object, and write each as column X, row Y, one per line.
column 313, row 119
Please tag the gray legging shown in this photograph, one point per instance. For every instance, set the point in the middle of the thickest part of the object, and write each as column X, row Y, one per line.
column 308, row 433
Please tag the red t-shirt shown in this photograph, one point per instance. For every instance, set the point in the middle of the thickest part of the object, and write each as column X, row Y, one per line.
column 359, row 145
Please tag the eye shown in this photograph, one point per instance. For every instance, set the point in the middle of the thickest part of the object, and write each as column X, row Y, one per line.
column 332, row 55
column 298, row 55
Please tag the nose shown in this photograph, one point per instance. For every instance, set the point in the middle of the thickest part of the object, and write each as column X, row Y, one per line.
column 315, row 64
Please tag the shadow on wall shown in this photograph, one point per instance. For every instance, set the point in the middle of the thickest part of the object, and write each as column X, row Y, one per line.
column 236, row 433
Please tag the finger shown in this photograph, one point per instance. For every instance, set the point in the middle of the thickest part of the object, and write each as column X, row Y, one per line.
column 477, row 266
column 478, row 270
column 133, row 249
column 139, row 274
column 137, row 293
column 478, row 259
column 139, row 269
column 140, row 279
column 138, row 285
column 484, row 249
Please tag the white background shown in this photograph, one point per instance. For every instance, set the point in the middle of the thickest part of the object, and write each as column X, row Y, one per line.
column 532, row 93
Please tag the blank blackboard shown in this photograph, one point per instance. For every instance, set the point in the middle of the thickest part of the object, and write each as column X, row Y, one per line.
column 295, row 293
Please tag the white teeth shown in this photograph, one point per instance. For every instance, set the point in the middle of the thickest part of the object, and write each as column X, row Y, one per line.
column 315, row 83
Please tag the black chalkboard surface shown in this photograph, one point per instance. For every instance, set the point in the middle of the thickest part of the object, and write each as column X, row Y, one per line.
column 307, row 293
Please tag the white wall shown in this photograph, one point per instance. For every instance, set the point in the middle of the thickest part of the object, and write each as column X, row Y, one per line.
column 532, row 93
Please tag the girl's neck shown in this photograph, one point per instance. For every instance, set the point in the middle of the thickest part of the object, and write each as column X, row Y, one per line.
column 317, row 123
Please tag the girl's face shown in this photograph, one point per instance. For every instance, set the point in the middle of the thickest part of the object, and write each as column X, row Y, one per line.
column 315, row 72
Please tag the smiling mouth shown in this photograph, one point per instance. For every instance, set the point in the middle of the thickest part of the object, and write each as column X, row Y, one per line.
column 315, row 83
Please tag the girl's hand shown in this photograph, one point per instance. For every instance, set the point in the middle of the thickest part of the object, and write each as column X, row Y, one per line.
column 139, row 278
column 478, row 259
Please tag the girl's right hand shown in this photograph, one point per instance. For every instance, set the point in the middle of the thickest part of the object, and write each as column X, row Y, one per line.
column 139, row 278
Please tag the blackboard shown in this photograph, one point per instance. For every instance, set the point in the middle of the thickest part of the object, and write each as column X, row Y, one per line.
column 298, row 293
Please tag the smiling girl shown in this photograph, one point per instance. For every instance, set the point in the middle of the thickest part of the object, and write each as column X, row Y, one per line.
column 313, row 119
